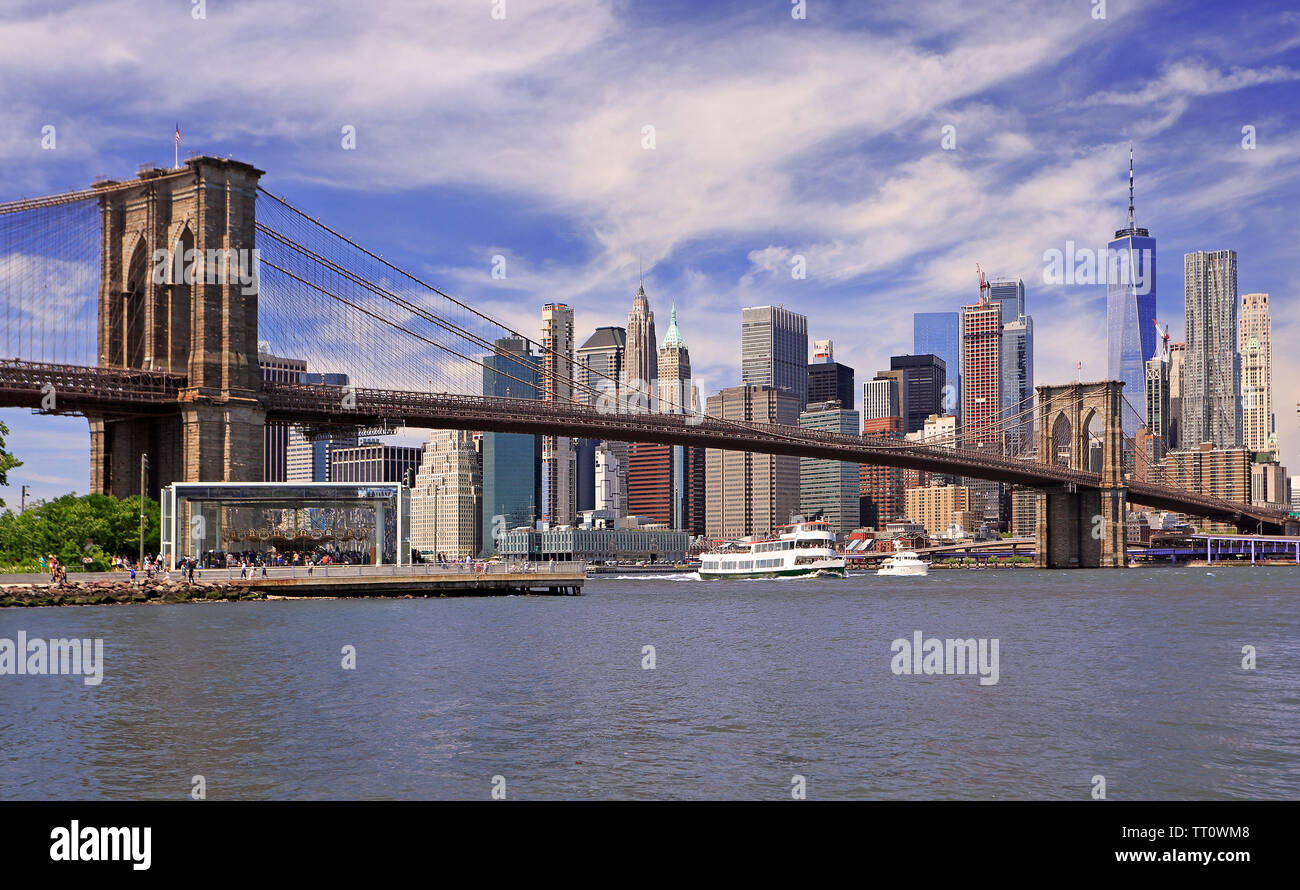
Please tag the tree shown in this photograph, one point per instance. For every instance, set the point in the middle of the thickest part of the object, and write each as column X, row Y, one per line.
column 7, row 460
column 72, row 527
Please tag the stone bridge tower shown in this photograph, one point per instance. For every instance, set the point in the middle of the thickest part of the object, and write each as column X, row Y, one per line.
column 1081, row 529
column 176, row 257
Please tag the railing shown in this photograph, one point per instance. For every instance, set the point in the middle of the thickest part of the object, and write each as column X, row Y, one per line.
column 339, row 404
column 433, row 570
column 41, row 384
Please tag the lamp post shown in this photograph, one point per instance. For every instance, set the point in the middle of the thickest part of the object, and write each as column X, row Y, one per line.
column 436, row 489
column 144, row 469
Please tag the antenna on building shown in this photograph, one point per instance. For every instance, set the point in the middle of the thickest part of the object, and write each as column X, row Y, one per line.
column 1131, row 224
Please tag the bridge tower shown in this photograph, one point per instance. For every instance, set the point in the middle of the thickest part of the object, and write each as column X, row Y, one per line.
column 176, row 257
column 1081, row 529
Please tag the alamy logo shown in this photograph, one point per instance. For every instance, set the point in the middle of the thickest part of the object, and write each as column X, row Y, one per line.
column 38, row 657
column 935, row 656
column 1105, row 265
column 215, row 266
column 653, row 397
column 90, row 844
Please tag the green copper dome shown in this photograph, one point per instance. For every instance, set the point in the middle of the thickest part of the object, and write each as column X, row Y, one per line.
column 674, row 337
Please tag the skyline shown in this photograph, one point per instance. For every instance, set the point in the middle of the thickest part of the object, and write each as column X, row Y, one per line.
column 757, row 158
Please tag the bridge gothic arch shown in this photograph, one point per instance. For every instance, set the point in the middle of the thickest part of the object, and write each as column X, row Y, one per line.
column 204, row 328
column 130, row 322
column 1082, row 528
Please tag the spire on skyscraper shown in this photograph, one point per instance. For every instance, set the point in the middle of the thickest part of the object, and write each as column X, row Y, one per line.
column 1131, row 224
column 673, row 337
column 1132, row 216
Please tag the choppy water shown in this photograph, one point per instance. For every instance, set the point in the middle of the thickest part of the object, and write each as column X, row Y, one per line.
column 1135, row 675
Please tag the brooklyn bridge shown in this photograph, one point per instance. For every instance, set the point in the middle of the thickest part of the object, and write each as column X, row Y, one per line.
column 139, row 304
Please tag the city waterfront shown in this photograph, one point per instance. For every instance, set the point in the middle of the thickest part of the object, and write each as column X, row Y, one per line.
column 1133, row 675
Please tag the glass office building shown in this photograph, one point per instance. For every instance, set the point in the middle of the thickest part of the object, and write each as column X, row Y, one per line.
column 1130, row 275
column 774, row 350
column 512, row 481
column 1130, row 314
column 936, row 333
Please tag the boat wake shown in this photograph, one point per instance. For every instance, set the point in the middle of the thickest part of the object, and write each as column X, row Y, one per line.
column 675, row 576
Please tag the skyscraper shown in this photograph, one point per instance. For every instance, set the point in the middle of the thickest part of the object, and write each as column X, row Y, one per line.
column 751, row 494
column 1130, row 275
column 830, row 487
column 1177, row 358
column 511, row 462
column 609, row 480
column 309, row 453
column 649, row 464
column 939, row 333
column 674, row 372
column 1211, row 379
column 642, row 350
column 1009, row 294
column 880, row 488
column 774, row 350
column 1017, row 363
column 677, row 396
column 446, row 497
column 1018, row 384
column 828, row 380
column 277, row 369
column 922, row 388
column 1157, row 395
column 600, row 365
column 559, row 462
column 981, row 368
column 584, row 455
column 880, row 398
column 1255, row 342
column 372, row 461
column 650, row 481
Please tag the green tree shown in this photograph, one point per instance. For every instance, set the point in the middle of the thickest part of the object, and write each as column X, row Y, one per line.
column 72, row 527
column 7, row 460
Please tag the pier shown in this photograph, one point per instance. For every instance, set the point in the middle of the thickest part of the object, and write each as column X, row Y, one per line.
column 284, row 582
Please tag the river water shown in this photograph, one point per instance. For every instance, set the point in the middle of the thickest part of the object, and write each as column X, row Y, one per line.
column 1134, row 675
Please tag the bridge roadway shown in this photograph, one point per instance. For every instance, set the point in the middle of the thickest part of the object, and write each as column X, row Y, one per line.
column 77, row 390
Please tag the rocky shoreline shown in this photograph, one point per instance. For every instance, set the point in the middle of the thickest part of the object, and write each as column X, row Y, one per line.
column 107, row 593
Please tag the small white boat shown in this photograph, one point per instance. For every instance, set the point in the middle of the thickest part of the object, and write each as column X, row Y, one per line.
column 903, row 562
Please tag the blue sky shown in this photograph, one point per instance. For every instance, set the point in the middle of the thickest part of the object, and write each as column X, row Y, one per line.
column 773, row 137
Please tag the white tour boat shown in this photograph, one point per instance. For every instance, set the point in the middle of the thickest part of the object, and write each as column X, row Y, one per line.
column 903, row 562
column 799, row 549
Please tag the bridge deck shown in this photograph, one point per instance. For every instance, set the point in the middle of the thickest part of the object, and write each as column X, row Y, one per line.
column 70, row 389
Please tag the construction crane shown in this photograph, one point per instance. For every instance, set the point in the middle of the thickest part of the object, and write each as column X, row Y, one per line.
column 984, row 285
column 1163, row 334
